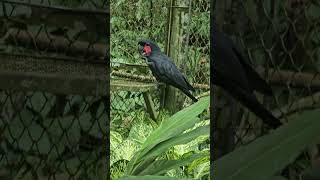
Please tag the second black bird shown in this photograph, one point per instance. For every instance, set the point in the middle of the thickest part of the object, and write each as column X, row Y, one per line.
column 231, row 72
column 162, row 67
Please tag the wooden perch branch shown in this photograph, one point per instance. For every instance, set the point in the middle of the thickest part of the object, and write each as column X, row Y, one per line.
column 296, row 79
column 44, row 41
column 57, row 16
column 276, row 77
column 133, row 76
column 151, row 79
column 26, row 73
column 308, row 102
column 60, row 8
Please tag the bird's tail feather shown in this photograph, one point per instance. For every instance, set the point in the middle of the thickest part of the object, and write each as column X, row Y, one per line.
column 251, row 102
column 189, row 85
column 189, row 95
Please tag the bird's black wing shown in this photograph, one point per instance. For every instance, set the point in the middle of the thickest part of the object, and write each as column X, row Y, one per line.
column 166, row 71
column 170, row 74
column 250, row 101
column 255, row 79
column 235, row 76
column 231, row 64
column 226, row 66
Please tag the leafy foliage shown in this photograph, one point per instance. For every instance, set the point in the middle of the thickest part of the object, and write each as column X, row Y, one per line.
column 271, row 153
column 150, row 156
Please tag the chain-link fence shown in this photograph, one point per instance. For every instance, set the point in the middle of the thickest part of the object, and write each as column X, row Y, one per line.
column 134, row 20
column 53, row 86
column 281, row 39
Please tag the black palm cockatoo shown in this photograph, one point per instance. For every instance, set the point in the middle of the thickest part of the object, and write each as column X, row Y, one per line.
column 162, row 67
column 232, row 73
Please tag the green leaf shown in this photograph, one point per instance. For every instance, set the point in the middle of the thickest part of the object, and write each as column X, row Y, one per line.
column 170, row 128
column 151, row 178
column 115, row 139
column 181, row 139
column 200, row 168
column 124, row 150
column 161, row 166
column 271, row 153
column 139, row 132
column 177, row 123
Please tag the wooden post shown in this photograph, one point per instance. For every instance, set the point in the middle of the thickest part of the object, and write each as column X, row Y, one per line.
column 149, row 104
column 176, row 10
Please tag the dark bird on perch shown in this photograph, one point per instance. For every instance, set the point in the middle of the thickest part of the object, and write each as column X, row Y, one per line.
column 162, row 67
column 231, row 72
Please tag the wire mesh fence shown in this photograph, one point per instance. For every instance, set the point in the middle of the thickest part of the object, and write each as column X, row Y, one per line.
column 131, row 21
column 280, row 39
column 53, row 110
column 135, row 20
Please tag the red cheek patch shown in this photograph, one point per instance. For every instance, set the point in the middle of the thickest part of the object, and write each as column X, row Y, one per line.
column 147, row 49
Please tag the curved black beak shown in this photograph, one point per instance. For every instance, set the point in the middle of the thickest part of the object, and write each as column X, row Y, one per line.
column 140, row 49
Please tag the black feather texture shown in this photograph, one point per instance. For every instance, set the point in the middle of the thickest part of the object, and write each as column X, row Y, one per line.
column 163, row 68
column 231, row 72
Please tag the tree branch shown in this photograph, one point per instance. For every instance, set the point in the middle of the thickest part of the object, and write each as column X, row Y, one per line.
column 296, row 79
column 44, row 41
column 305, row 103
column 151, row 79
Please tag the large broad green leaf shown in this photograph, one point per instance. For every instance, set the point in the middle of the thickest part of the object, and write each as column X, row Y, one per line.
column 151, row 178
column 125, row 150
column 200, row 168
column 174, row 126
column 161, row 166
column 271, row 153
column 177, row 123
column 181, row 139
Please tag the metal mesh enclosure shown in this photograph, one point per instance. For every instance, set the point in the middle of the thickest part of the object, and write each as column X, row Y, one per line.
column 281, row 39
column 129, row 23
column 134, row 20
column 197, row 52
column 53, row 106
